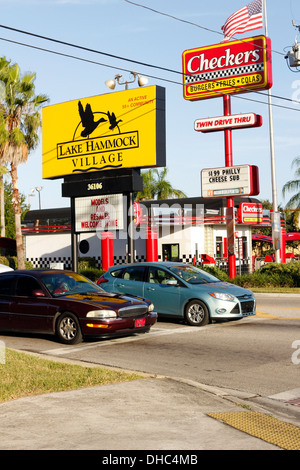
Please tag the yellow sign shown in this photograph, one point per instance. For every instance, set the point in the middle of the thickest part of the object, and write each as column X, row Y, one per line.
column 117, row 130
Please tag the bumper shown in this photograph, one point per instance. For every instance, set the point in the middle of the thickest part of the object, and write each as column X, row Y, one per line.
column 118, row 326
column 233, row 310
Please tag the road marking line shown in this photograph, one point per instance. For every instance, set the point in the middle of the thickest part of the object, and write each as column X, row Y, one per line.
column 262, row 314
column 287, row 308
column 155, row 332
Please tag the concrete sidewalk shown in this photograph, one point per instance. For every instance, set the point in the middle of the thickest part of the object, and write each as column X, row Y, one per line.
column 146, row 414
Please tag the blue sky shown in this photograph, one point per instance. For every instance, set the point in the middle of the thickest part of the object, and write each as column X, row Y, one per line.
column 138, row 34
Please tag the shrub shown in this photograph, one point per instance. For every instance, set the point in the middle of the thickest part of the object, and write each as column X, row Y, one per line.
column 91, row 273
column 4, row 261
column 287, row 274
column 272, row 275
column 86, row 263
column 217, row 272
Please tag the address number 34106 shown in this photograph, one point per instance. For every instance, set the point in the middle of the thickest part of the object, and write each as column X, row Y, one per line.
column 92, row 186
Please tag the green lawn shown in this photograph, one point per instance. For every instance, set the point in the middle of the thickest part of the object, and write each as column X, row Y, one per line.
column 25, row 374
column 276, row 290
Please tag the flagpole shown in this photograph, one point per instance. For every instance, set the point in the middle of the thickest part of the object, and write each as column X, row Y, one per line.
column 273, row 167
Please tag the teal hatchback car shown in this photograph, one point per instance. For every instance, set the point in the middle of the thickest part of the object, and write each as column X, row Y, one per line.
column 181, row 290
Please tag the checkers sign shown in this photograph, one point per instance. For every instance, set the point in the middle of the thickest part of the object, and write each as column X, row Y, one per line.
column 227, row 68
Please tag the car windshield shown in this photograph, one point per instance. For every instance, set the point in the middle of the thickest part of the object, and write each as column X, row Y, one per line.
column 193, row 275
column 59, row 284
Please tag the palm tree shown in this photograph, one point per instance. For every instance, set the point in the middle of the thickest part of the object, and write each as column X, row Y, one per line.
column 293, row 185
column 20, row 121
column 155, row 186
column 3, row 171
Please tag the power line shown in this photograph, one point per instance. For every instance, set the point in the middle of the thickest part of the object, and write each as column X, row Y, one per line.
column 87, row 49
column 186, row 21
column 124, row 59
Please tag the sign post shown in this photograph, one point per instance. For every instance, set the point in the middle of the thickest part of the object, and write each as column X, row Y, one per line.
column 230, row 200
column 221, row 70
column 98, row 145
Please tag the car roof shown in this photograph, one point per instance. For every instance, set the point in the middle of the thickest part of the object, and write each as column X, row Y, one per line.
column 34, row 272
column 150, row 263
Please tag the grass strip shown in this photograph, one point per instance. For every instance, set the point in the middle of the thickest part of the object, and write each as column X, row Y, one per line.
column 24, row 375
column 276, row 290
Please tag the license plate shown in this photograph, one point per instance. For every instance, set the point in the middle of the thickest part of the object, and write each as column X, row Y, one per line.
column 140, row 322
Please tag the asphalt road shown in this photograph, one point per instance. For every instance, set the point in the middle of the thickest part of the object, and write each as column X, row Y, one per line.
column 247, row 369
column 255, row 355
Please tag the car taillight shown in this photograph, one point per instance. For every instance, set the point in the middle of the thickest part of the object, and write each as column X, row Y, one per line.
column 101, row 280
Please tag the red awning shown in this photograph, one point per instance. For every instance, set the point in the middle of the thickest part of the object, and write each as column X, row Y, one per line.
column 289, row 237
column 261, row 238
column 292, row 236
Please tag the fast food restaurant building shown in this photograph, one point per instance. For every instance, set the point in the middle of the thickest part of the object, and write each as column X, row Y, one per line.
column 191, row 230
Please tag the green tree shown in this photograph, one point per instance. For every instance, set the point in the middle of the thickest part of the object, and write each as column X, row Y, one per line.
column 20, row 122
column 9, row 212
column 155, row 186
column 293, row 186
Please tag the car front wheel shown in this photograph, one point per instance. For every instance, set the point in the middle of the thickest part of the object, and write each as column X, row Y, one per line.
column 68, row 329
column 196, row 313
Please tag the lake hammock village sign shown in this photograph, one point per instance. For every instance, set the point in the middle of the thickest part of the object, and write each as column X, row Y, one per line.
column 107, row 132
column 98, row 145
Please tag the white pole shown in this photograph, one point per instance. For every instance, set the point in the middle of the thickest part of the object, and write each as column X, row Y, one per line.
column 273, row 167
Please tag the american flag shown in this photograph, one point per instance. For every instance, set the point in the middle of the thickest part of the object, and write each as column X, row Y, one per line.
column 243, row 20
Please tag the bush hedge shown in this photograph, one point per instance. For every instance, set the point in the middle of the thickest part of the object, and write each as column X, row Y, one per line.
column 285, row 274
column 269, row 275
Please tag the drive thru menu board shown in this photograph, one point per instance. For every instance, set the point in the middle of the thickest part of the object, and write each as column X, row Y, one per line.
column 239, row 180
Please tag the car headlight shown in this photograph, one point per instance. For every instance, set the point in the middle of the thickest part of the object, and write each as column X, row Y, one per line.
column 102, row 314
column 151, row 308
column 221, row 296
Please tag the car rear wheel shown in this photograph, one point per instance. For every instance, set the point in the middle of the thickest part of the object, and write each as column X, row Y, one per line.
column 196, row 313
column 68, row 329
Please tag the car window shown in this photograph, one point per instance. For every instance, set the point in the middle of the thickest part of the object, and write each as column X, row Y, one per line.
column 6, row 285
column 116, row 272
column 64, row 283
column 159, row 276
column 26, row 286
column 193, row 275
column 134, row 273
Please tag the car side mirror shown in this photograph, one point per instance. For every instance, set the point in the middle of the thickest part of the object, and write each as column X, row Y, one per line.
column 172, row 282
column 38, row 293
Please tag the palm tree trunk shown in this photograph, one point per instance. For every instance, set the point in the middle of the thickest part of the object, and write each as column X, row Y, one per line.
column 17, row 212
column 2, row 207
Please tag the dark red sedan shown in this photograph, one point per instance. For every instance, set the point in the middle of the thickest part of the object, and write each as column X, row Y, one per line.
column 68, row 305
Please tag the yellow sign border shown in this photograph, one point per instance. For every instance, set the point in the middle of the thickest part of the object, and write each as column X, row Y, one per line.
column 117, row 130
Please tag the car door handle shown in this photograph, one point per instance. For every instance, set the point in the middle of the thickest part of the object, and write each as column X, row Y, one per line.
column 150, row 288
column 121, row 285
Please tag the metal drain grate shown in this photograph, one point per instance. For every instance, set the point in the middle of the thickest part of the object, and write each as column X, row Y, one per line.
column 267, row 428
